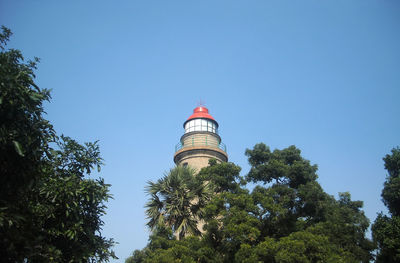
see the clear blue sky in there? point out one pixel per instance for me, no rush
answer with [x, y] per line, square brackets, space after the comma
[322, 75]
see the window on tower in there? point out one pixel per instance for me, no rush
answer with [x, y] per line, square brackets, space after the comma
[200, 125]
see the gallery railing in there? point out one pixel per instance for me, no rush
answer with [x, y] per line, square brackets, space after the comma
[198, 141]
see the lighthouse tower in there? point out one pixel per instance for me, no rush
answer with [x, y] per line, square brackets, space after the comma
[200, 142]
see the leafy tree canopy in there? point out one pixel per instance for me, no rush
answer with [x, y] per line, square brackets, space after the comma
[386, 229]
[286, 217]
[49, 210]
[282, 166]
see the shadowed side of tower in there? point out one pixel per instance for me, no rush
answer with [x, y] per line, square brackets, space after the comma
[200, 142]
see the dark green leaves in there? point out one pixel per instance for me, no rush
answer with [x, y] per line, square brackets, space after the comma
[281, 166]
[386, 230]
[177, 200]
[386, 233]
[391, 189]
[223, 177]
[49, 210]
[287, 217]
[4, 36]
[392, 163]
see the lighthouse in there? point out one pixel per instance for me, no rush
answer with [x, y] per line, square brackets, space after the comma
[200, 141]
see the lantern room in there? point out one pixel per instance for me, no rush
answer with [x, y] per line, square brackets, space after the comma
[200, 141]
[201, 120]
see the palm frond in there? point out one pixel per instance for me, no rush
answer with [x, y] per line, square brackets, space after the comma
[177, 200]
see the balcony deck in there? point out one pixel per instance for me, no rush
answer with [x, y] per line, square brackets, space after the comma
[200, 141]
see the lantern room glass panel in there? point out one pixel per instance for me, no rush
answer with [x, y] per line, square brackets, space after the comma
[200, 125]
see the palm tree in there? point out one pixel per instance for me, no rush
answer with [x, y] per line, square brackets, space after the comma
[177, 200]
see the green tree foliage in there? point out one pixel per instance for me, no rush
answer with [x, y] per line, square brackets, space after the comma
[49, 210]
[223, 177]
[284, 167]
[286, 217]
[386, 229]
[164, 247]
[177, 200]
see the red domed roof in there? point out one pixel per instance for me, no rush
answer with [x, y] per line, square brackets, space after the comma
[200, 112]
